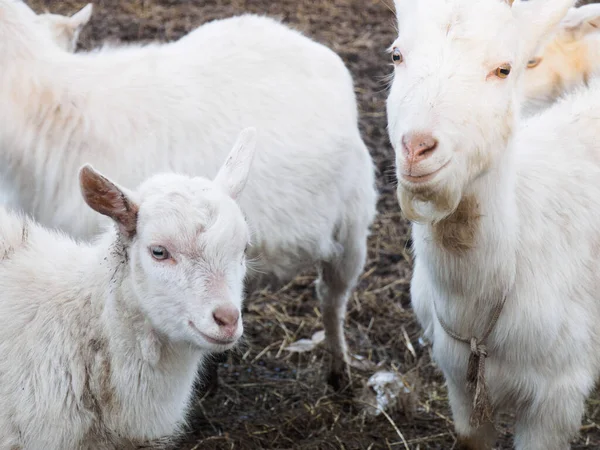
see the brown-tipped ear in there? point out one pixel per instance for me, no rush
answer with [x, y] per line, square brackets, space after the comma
[509, 2]
[105, 197]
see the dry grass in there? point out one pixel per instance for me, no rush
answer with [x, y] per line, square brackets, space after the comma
[269, 398]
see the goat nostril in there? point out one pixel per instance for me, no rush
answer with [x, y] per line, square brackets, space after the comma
[219, 321]
[427, 148]
[419, 145]
[226, 316]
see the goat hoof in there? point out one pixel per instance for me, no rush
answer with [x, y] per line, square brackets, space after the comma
[339, 380]
[466, 443]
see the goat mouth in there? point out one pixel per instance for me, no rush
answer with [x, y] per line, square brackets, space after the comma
[216, 341]
[424, 178]
[211, 339]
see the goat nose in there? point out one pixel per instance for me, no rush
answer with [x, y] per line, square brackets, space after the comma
[226, 316]
[418, 145]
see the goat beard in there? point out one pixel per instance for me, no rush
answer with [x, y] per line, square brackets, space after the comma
[430, 205]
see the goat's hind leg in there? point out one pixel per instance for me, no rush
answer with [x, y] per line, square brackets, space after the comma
[337, 279]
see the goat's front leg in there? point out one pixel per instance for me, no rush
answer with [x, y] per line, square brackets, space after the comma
[469, 438]
[552, 418]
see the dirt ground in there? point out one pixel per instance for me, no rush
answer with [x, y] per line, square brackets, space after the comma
[268, 398]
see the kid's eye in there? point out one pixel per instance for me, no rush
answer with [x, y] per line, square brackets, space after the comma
[159, 253]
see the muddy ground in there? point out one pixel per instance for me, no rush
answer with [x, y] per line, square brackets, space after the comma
[269, 399]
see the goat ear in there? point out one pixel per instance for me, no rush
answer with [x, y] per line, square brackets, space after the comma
[105, 197]
[537, 20]
[233, 175]
[70, 27]
[581, 21]
[78, 20]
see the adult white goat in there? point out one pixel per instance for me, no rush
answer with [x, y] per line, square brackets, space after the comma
[100, 343]
[566, 61]
[506, 213]
[64, 30]
[137, 110]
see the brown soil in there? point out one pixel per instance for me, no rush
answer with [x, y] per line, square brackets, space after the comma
[267, 398]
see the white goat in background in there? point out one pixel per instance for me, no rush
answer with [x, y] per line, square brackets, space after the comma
[64, 30]
[568, 60]
[137, 110]
[506, 217]
[100, 343]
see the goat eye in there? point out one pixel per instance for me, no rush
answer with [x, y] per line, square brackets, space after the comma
[159, 253]
[397, 56]
[533, 62]
[503, 71]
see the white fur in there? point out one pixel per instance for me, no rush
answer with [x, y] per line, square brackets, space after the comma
[536, 224]
[100, 343]
[567, 60]
[136, 110]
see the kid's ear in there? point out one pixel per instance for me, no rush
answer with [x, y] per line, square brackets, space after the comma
[233, 175]
[105, 197]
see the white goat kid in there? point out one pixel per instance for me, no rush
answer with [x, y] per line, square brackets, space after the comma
[65, 30]
[506, 211]
[100, 343]
[568, 60]
[137, 110]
